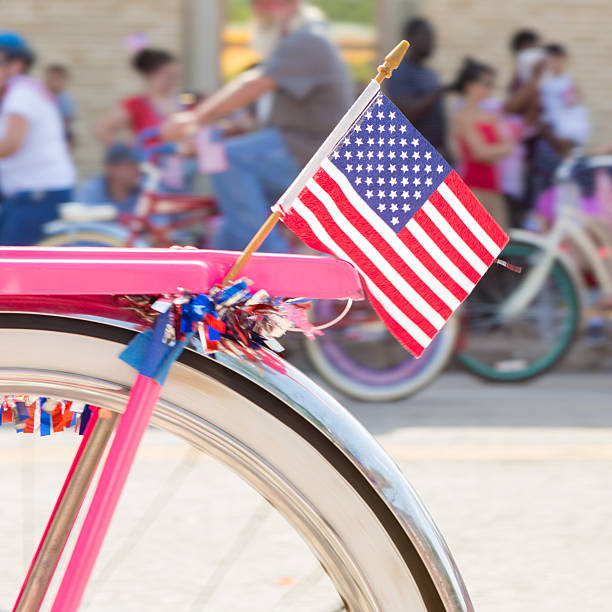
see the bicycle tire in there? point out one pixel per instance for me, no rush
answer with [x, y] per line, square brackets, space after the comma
[565, 281]
[82, 238]
[338, 368]
[379, 566]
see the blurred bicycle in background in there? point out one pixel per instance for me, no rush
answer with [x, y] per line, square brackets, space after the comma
[160, 219]
[517, 327]
[512, 328]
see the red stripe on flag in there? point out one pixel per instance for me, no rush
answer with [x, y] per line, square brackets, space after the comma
[298, 225]
[301, 229]
[363, 262]
[453, 219]
[442, 242]
[431, 264]
[400, 333]
[476, 209]
[380, 244]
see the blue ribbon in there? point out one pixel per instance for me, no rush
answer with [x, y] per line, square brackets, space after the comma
[193, 312]
[45, 419]
[150, 355]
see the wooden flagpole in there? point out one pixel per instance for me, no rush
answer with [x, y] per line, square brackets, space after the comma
[384, 71]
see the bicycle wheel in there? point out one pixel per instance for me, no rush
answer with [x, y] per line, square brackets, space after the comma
[367, 553]
[82, 238]
[528, 345]
[359, 356]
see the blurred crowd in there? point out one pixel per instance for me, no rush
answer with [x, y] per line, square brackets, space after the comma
[506, 148]
[254, 135]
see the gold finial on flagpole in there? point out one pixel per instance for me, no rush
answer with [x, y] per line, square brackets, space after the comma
[392, 61]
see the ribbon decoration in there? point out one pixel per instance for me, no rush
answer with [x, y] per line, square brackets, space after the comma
[229, 318]
[45, 415]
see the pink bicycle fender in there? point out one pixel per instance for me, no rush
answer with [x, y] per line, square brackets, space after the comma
[104, 271]
[104, 277]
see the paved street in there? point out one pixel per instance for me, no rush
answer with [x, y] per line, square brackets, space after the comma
[518, 479]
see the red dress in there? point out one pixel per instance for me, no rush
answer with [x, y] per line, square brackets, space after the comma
[478, 174]
[142, 114]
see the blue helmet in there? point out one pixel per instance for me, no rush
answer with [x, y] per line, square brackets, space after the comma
[16, 46]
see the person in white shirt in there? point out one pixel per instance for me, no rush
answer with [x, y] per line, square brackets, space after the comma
[36, 172]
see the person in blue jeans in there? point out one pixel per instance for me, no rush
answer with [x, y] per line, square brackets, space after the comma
[260, 168]
[36, 172]
[300, 91]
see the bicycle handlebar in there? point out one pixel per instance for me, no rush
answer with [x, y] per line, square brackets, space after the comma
[599, 161]
[147, 134]
[565, 169]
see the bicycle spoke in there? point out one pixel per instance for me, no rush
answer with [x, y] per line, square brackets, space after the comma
[168, 489]
[28, 482]
[64, 513]
[243, 538]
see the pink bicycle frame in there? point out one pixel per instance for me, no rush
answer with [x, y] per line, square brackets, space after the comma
[29, 272]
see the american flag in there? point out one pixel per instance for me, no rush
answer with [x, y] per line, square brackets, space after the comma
[385, 200]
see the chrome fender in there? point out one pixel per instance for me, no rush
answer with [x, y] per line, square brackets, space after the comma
[540, 241]
[320, 409]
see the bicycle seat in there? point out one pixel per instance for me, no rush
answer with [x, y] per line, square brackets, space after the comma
[77, 212]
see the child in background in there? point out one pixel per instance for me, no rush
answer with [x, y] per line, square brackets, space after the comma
[565, 128]
[562, 110]
[57, 78]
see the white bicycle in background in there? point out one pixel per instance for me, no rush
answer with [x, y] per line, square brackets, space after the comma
[517, 327]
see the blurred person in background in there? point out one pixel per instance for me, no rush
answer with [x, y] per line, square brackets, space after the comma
[302, 89]
[529, 64]
[416, 89]
[57, 78]
[480, 138]
[161, 73]
[562, 111]
[161, 98]
[36, 172]
[565, 128]
[120, 182]
[523, 104]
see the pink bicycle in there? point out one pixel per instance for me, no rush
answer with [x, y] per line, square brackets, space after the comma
[314, 475]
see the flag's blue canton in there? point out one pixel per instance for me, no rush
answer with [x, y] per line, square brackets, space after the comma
[390, 165]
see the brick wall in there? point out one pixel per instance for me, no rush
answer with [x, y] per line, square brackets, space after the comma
[88, 36]
[481, 28]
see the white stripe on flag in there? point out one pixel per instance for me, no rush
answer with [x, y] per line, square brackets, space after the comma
[389, 236]
[473, 225]
[411, 328]
[438, 254]
[373, 254]
[453, 237]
